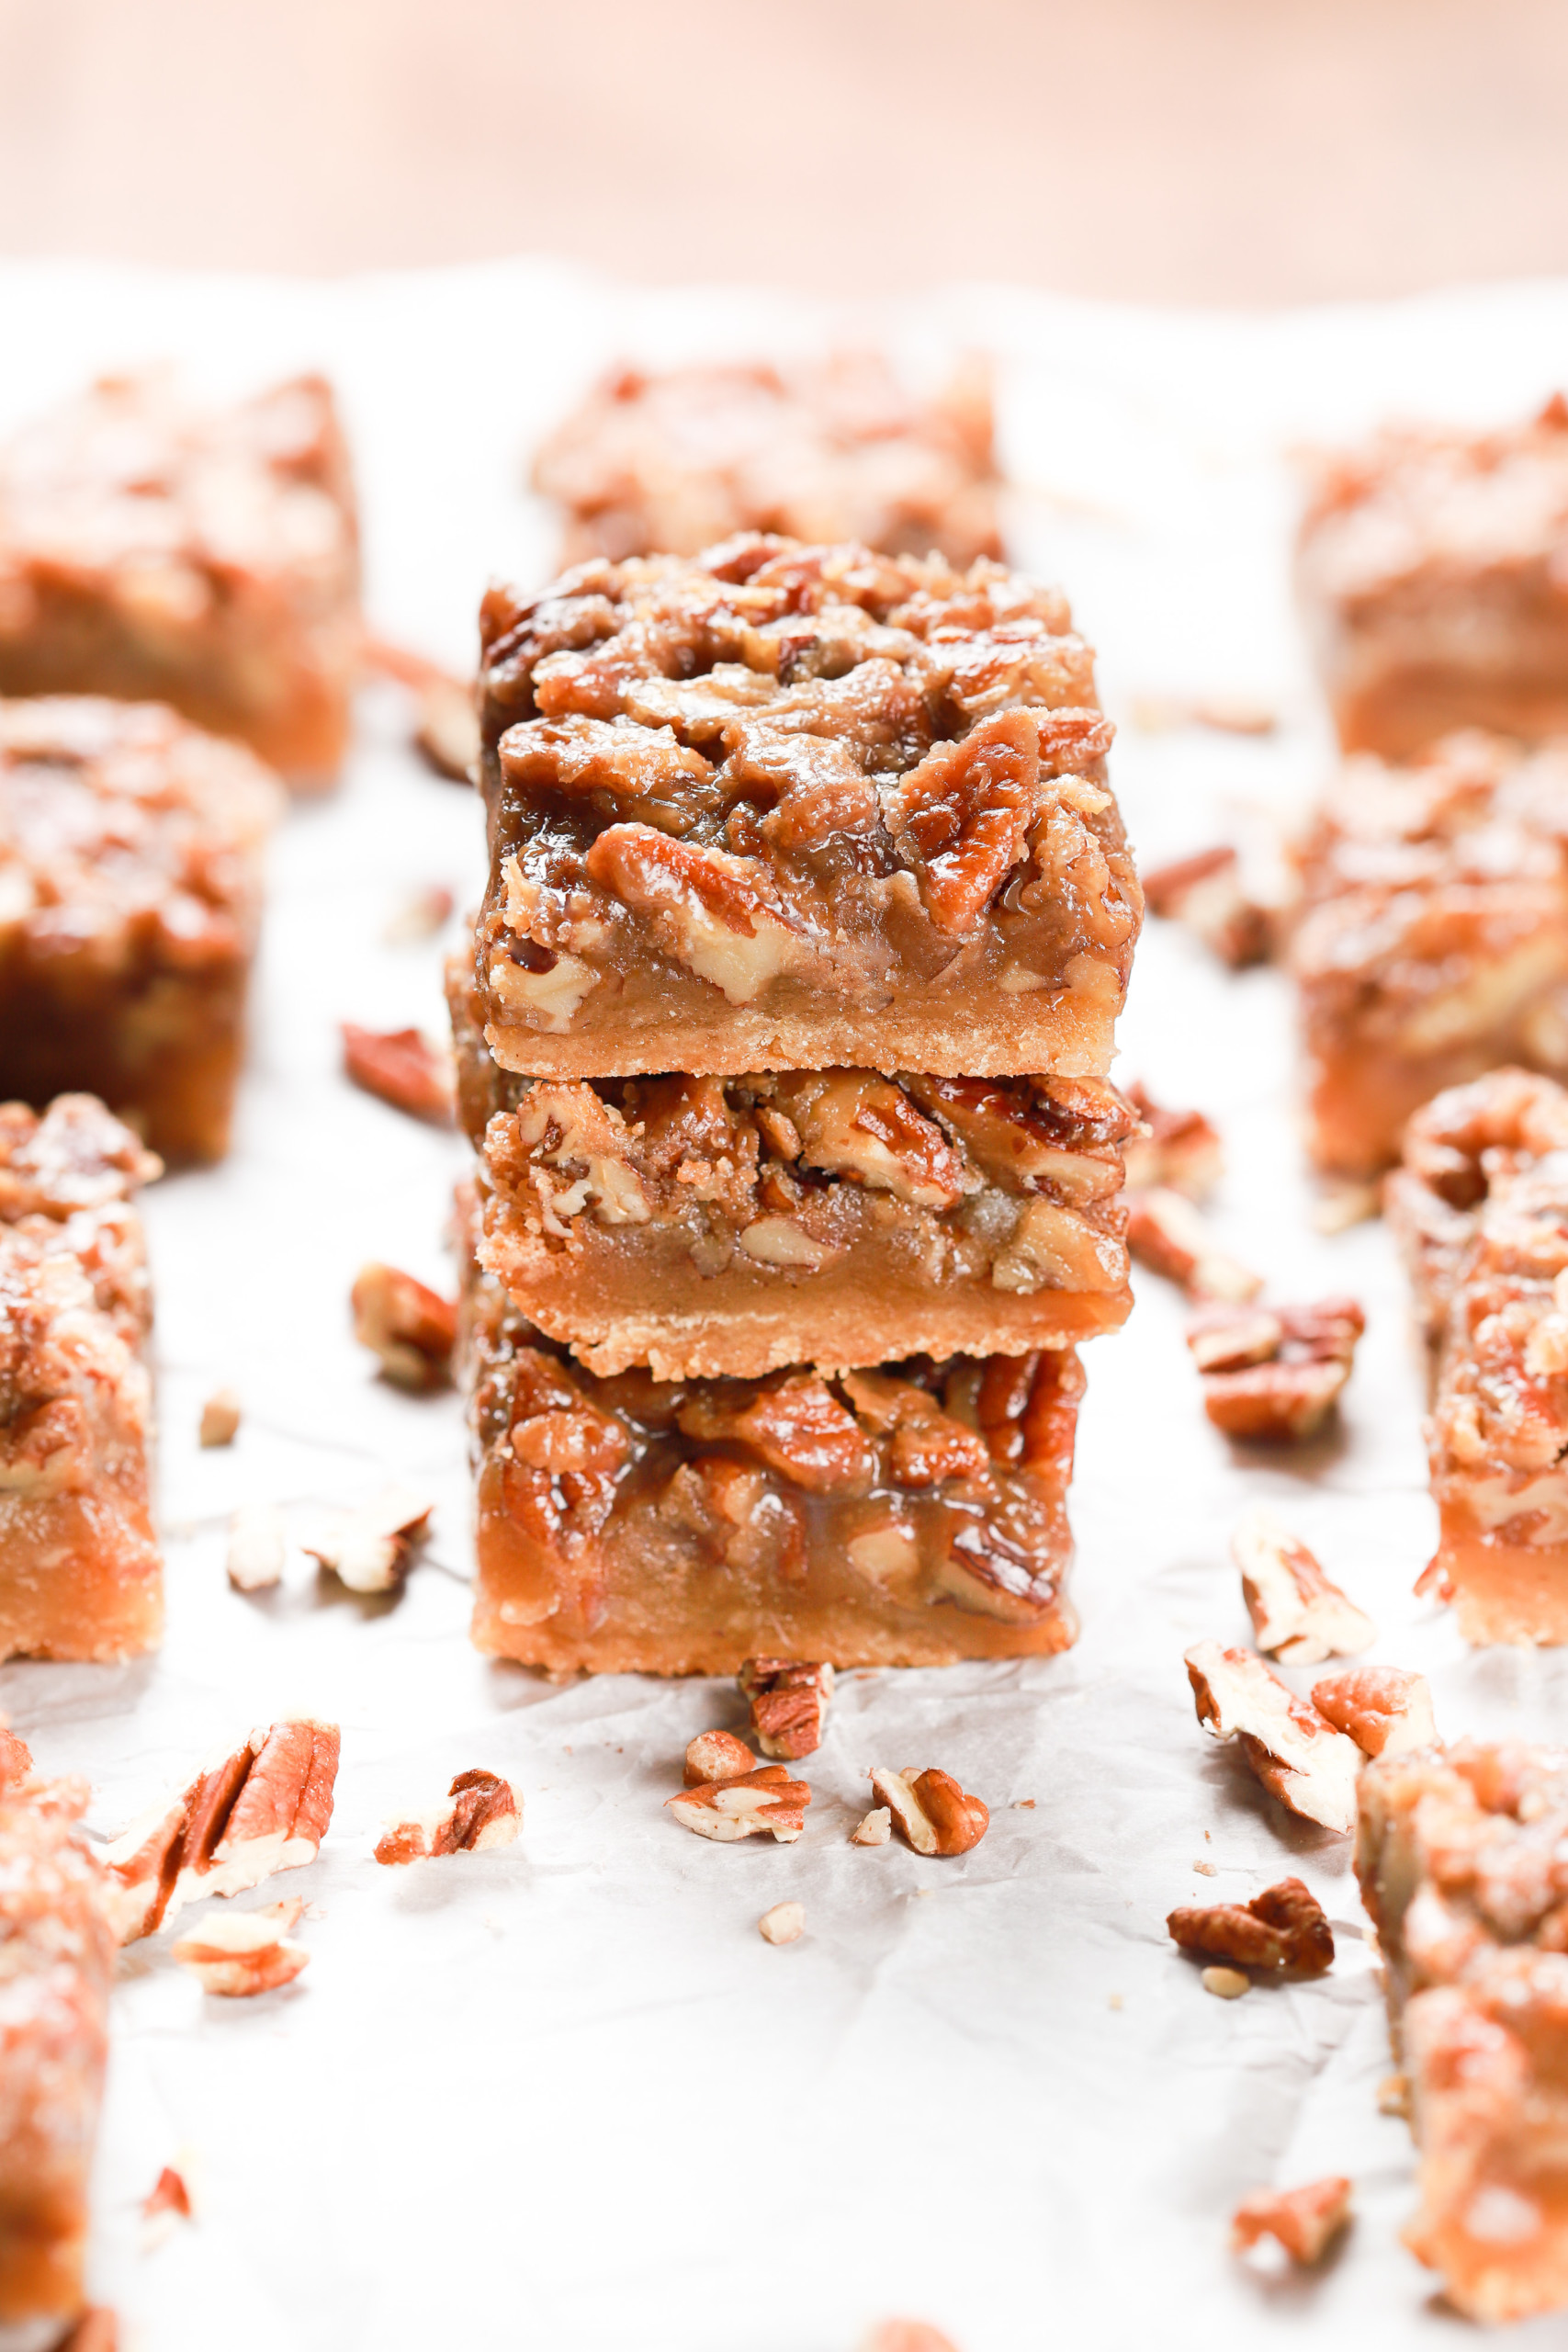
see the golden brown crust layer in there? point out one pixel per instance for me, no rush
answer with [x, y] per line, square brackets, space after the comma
[673, 463]
[1433, 571]
[788, 807]
[205, 558]
[913, 1515]
[131, 888]
[1433, 944]
[80, 1573]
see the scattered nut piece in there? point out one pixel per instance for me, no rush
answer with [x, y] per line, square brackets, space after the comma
[447, 729]
[481, 1811]
[1304, 2221]
[1225, 1983]
[906, 2335]
[1298, 1615]
[168, 2195]
[1228, 714]
[258, 1546]
[728, 1810]
[220, 1419]
[1343, 1203]
[420, 915]
[16, 1757]
[717, 1755]
[1168, 1234]
[399, 1067]
[929, 1809]
[1284, 1390]
[411, 1328]
[1394, 2097]
[1180, 1152]
[1385, 1711]
[370, 1550]
[236, 1953]
[784, 1924]
[1294, 1751]
[1284, 1926]
[259, 1808]
[1206, 895]
[788, 1699]
[1207, 1870]
[873, 1828]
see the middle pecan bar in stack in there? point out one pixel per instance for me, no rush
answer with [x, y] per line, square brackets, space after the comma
[784, 1044]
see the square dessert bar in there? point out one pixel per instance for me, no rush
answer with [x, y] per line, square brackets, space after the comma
[909, 1515]
[80, 1573]
[710, 1225]
[1433, 942]
[1460, 1856]
[131, 886]
[794, 807]
[671, 463]
[56, 1968]
[206, 557]
[1433, 574]
[1481, 1211]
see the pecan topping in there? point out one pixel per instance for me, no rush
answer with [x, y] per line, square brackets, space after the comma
[264, 1807]
[796, 1426]
[258, 1546]
[1304, 2221]
[717, 1755]
[932, 1813]
[1384, 1709]
[1293, 1750]
[370, 1549]
[1206, 894]
[728, 1810]
[242, 1952]
[1298, 1615]
[399, 1067]
[715, 913]
[481, 1811]
[1166, 1233]
[855, 1124]
[220, 1419]
[1282, 1928]
[1280, 1381]
[411, 1328]
[961, 817]
[788, 1699]
[784, 1924]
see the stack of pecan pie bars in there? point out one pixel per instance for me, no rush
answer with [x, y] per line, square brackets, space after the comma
[782, 1045]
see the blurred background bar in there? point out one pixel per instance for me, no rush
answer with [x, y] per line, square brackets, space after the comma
[1244, 151]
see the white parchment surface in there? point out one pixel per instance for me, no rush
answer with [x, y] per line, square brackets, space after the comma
[563, 2097]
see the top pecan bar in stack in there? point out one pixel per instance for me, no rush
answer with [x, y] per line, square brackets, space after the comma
[786, 807]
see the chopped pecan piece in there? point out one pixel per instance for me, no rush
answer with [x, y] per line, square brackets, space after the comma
[1282, 1928]
[168, 2195]
[1304, 2221]
[481, 1811]
[399, 1067]
[932, 1813]
[795, 1425]
[258, 1546]
[729, 1810]
[220, 1419]
[1285, 1391]
[411, 1328]
[1180, 1152]
[873, 1828]
[1225, 1983]
[1384, 1709]
[788, 1699]
[419, 915]
[242, 1952]
[1298, 1615]
[784, 1924]
[15, 1758]
[715, 913]
[717, 1755]
[447, 729]
[262, 1807]
[1293, 1750]
[906, 2335]
[1206, 893]
[1166, 1233]
[369, 1549]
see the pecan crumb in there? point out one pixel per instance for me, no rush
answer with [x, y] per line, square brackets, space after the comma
[481, 1811]
[873, 1828]
[1298, 1614]
[258, 1546]
[717, 1755]
[752, 1802]
[788, 1699]
[1275, 1374]
[932, 1813]
[1394, 2097]
[237, 1954]
[409, 1328]
[168, 2195]
[1284, 1926]
[1207, 1870]
[370, 1549]
[1304, 2221]
[1168, 1235]
[220, 1419]
[399, 1067]
[1225, 1983]
[784, 1924]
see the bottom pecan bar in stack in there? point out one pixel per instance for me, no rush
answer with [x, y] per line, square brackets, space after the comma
[908, 1516]
[1462, 1858]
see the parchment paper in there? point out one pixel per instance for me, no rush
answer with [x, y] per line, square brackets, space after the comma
[563, 2096]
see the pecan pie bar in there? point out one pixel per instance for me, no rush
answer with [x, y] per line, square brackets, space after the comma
[80, 1574]
[909, 1515]
[1481, 1211]
[707, 1225]
[1461, 1854]
[1433, 572]
[1433, 943]
[209, 558]
[131, 884]
[669, 463]
[56, 1966]
[792, 807]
